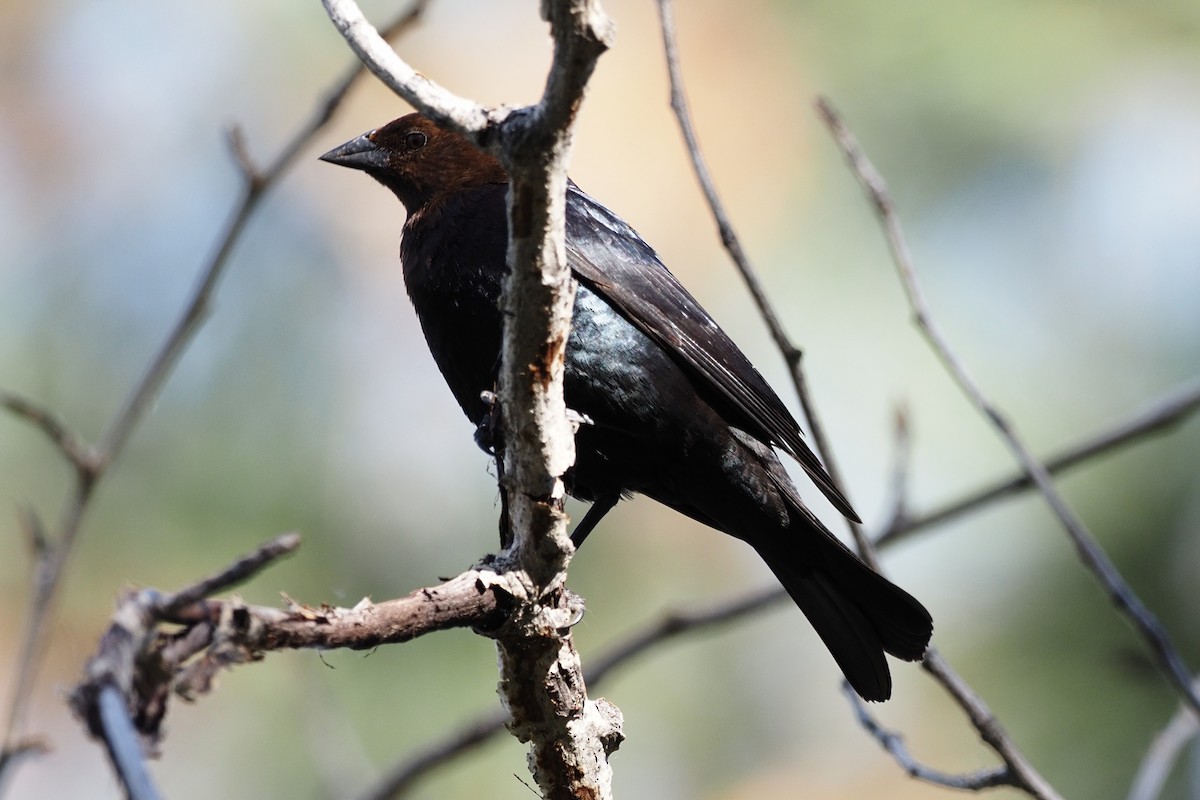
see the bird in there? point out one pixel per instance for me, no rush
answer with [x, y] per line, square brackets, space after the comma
[671, 408]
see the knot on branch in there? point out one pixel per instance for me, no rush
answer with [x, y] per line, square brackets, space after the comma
[609, 724]
[533, 611]
[127, 663]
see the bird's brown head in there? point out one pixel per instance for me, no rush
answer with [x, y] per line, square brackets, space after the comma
[418, 161]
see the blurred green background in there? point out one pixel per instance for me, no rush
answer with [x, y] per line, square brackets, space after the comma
[1045, 158]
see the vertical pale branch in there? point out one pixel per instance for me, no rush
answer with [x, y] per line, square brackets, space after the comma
[570, 736]
[541, 678]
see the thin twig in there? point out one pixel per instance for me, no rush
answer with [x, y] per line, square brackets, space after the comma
[68, 443]
[893, 743]
[901, 464]
[46, 576]
[434, 101]
[792, 355]
[404, 776]
[679, 623]
[91, 463]
[1022, 773]
[241, 570]
[256, 182]
[35, 532]
[1162, 414]
[1162, 754]
[1093, 557]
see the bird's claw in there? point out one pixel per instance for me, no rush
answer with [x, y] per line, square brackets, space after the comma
[485, 431]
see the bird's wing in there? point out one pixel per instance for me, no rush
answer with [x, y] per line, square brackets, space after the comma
[611, 259]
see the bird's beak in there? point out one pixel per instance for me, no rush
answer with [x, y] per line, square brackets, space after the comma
[360, 153]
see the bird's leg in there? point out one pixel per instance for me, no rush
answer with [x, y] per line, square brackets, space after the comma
[487, 436]
[486, 430]
[600, 506]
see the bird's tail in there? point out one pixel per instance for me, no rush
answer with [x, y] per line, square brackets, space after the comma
[857, 612]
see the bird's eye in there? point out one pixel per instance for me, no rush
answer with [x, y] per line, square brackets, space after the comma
[415, 140]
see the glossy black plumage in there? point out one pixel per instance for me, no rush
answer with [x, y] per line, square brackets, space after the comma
[678, 412]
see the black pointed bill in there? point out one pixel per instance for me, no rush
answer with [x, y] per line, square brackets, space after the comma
[360, 153]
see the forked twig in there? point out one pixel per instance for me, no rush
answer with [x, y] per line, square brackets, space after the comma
[1020, 772]
[893, 743]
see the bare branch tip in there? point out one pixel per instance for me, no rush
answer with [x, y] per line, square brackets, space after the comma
[285, 542]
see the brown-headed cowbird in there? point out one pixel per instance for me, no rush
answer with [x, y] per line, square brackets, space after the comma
[676, 411]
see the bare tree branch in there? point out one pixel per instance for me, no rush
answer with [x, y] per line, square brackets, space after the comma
[256, 182]
[434, 101]
[1020, 770]
[675, 624]
[141, 666]
[1093, 557]
[1162, 415]
[91, 464]
[542, 682]
[893, 743]
[403, 776]
[571, 736]
[72, 448]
